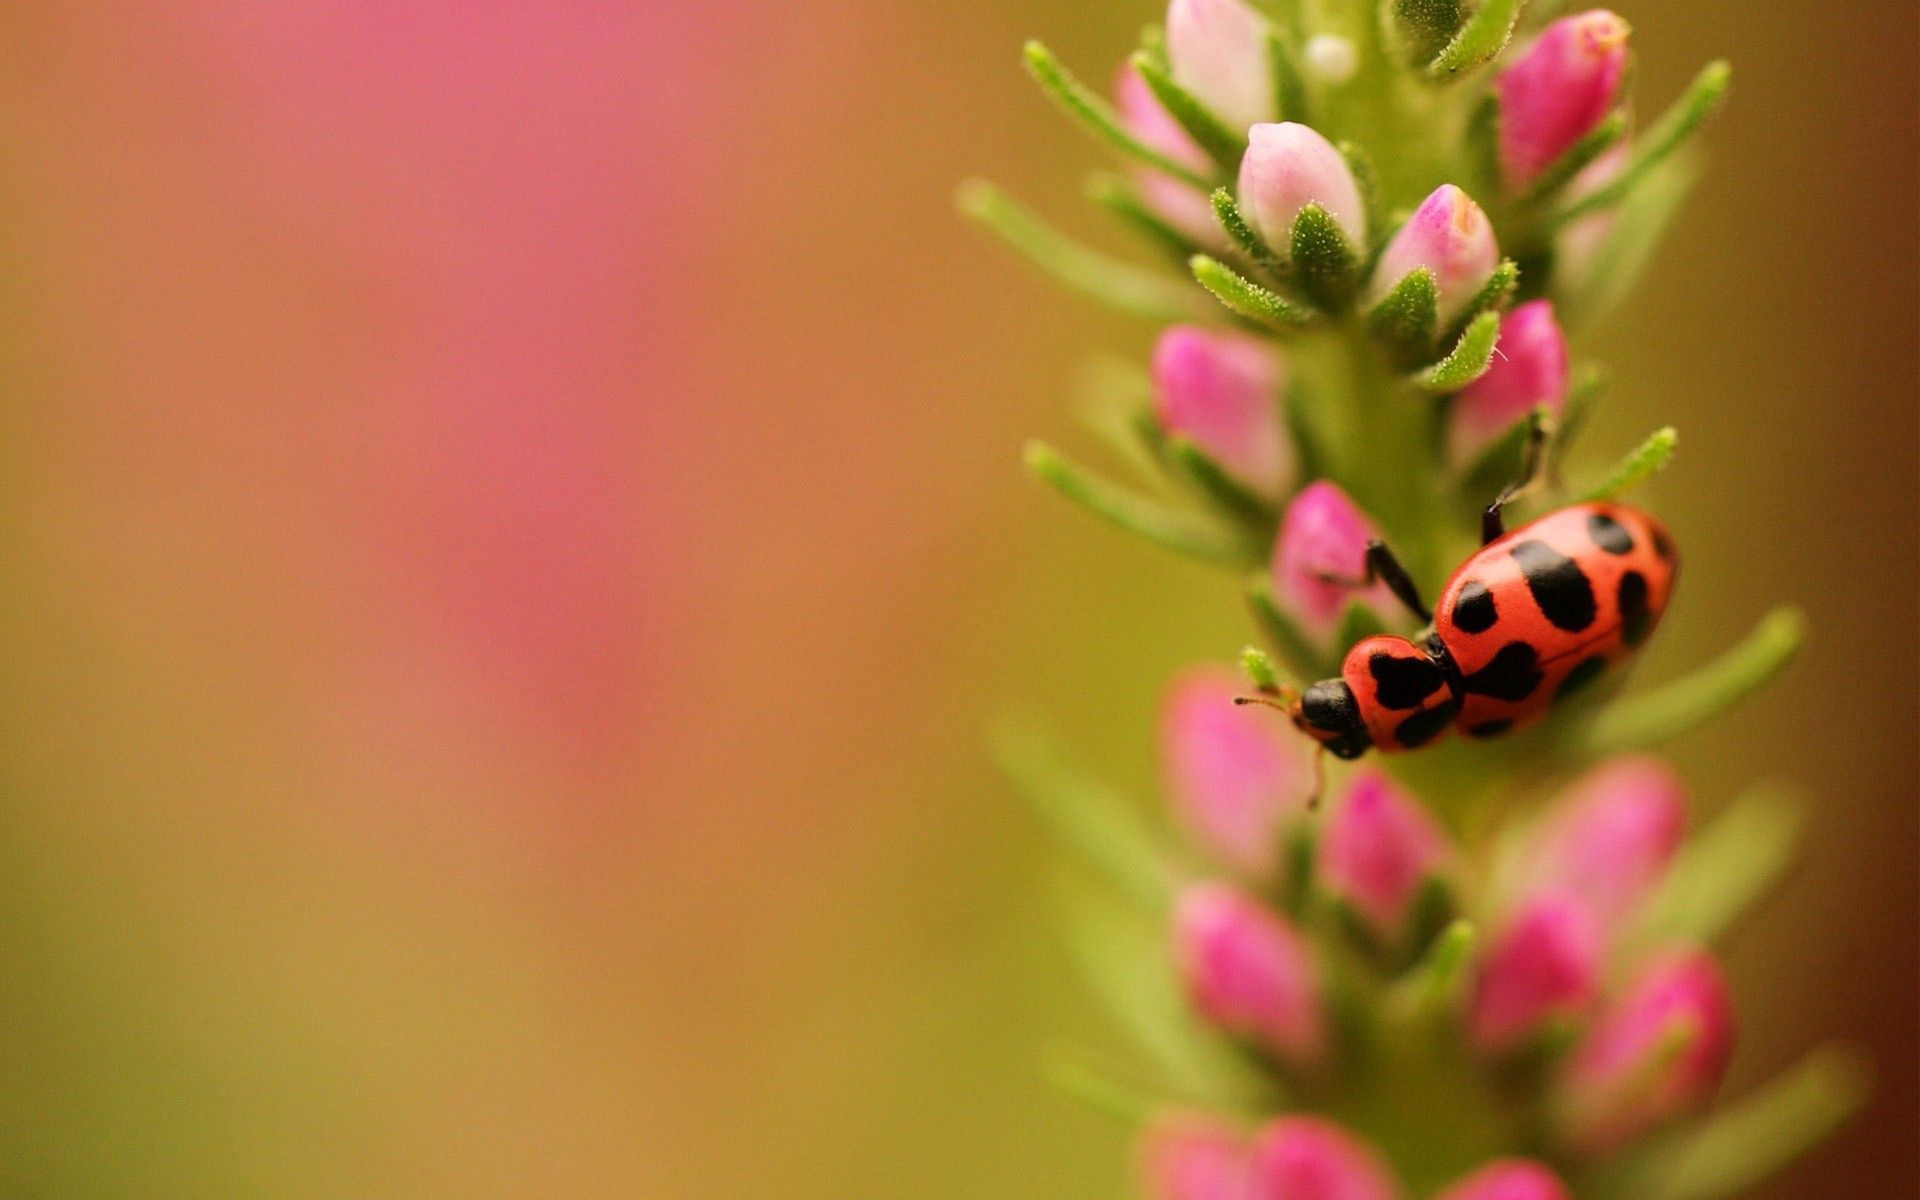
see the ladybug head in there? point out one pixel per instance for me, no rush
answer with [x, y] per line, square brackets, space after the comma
[1327, 713]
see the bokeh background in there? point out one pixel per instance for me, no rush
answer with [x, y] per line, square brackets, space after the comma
[512, 530]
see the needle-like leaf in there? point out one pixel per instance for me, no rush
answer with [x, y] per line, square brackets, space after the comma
[1483, 36]
[1639, 463]
[1661, 139]
[1097, 116]
[1245, 298]
[1187, 533]
[1468, 361]
[1647, 720]
[1118, 285]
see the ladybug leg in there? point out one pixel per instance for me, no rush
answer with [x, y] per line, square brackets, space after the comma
[1493, 522]
[1382, 566]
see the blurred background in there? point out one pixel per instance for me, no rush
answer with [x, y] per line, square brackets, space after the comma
[513, 529]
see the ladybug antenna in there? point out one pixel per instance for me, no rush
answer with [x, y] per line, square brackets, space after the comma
[1278, 697]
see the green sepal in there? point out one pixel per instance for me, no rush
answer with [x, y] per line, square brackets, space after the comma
[1208, 131]
[1107, 834]
[1301, 654]
[1600, 139]
[1183, 532]
[1097, 117]
[1367, 181]
[1498, 291]
[1639, 722]
[1483, 36]
[1218, 487]
[1468, 360]
[1246, 298]
[1636, 467]
[1749, 1140]
[1325, 265]
[1661, 139]
[1423, 28]
[1403, 321]
[1289, 90]
[1116, 284]
[1122, 199]
[1719, 874]
[1233, 222]
[1258, 669]
[1358, 621]
[1153, 42]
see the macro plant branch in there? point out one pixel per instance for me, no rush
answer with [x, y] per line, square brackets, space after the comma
[1474, 967]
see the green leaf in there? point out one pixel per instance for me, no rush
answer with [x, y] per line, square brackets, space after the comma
[1218, 486]
[1259, 669]
[1424, 27]
[1499, 288]
[1186, 533]
[1289, 90]
[1367, 180]
[1294, 646]
[1116, 284]
[1234, 223]
[1746, 1143]
[1122, 199]
[1246, 298]
[1634, 469]
[1208, 131]
[1719, 874]
[1666, 135]
[1078, 1077]
[1468, 361]
[1098, 827]
[1598, 141]
[1097, 116]
[1324, 262]
[1483, 36]
[1403, 322]
[1647, 720]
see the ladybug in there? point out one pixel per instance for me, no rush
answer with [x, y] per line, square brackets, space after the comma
[1531, 618]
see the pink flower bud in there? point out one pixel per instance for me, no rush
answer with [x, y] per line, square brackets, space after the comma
[1609, 841]
[1222, 392]
[1248, 971]
[1376, 849]
[1320, 554]
[1545, 964]
[1557, 91]
[1235, 775]
[1193, 1157]
[1218, 49]
[1450, 237]
[1179, 204]
[1511, 1179]
[1529, 371]
[1289, 166]
[1308, 1158]
[1657, 1052]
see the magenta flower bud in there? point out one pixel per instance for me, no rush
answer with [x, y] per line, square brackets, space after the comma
[1557, 91]
[1657, 1052]
[1376, 849]
[1221, 391]
[1450, 237]
[1609, 841]
[1544, 965]
[1308, 1158]
[1510, 1179]
[1320, 556]
[1287, 167]
[1193, 1157]
[1179, 204]
[1218, 50]
[1529, 371]
[1235, 776]
[1248, 971]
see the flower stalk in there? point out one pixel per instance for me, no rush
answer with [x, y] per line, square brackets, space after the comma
[1475, 971]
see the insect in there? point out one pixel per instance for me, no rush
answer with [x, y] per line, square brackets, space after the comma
[1532, 617]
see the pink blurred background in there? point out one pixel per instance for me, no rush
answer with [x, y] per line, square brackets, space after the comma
[514, 530]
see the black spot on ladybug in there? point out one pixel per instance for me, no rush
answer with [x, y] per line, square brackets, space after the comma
[1329, 705]
[1662, 544]
[1403, 682]
[1609, 534]
[1582, 674]
[1511, 676]
[1558, 585]
[1420, 728]
[1636, 619]
[1490, 729]
[1473, 609]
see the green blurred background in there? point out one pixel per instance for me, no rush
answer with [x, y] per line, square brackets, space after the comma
[513, 528]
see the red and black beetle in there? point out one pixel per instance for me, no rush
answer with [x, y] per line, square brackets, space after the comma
[1532, 617]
